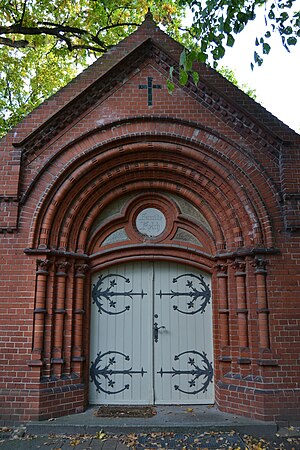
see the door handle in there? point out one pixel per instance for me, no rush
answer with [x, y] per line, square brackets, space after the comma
[155, 331]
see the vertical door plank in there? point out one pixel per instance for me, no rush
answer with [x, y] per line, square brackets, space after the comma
[183, 355]
[121, 357]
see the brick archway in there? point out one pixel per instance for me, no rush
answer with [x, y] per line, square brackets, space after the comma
[188, 154]
[166, 159]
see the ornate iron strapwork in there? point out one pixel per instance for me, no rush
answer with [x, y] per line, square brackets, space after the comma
[100, 294]
[194, 293]
[196, 372]
[98, 374]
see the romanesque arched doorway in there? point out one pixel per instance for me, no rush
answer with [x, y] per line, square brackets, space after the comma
[151, 316]
[91, 223]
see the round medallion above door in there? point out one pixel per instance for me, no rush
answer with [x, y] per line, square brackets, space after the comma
[150, 222]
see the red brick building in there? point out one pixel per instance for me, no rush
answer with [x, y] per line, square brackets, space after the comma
[149, 244]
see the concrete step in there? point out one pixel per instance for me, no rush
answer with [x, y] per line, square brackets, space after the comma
[180, 419]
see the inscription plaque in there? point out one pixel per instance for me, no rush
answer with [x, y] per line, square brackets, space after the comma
[151, 222]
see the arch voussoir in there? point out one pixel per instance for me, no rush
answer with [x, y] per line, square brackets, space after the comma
[105, 167]
[225, 161]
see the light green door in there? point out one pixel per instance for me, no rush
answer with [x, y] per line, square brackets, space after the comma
[151, 335]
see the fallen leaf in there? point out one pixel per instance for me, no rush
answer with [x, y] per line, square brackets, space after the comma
[101, 435]
[189, 410]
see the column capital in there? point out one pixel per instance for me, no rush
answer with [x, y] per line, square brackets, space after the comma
[240, 266]
[222, 269]
[62, 268]
[81, 270]
[260, 264]
[43, 266]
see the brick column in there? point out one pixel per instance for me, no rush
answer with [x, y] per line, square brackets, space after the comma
[223, 310]
[59, 312]
[40, 308]
[78, 357]
[242, 311]
[262, 302]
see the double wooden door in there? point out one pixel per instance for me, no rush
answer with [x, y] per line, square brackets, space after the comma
[151, 335]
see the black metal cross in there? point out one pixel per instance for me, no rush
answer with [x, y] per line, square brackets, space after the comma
[150, 86]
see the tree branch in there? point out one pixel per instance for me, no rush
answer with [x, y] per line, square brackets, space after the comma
[63, 33]
[187, 30]
[65, 28]
[8, 91]
[12, 43]
[115, 25]
[23, 12]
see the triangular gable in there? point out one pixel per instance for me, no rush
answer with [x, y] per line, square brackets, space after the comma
[218, 94]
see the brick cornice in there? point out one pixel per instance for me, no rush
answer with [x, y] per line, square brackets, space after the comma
[58, 253]
[243, 252]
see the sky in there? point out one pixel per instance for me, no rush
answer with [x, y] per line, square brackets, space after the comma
[276, 81]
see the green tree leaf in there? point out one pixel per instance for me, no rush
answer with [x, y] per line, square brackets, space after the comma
[292, 40]
[257, 59]
[170, 86]
[266, 48]
[183, 77]
[230, 40]
[182, 60]
[195, 77]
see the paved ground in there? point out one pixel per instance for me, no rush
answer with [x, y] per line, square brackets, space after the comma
[62, 443]
[162, 440]
[187, 441]
[173, 427]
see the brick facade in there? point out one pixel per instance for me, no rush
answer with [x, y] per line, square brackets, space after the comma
[98, 142]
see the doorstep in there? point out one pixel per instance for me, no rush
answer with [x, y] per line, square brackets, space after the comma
[175, 418]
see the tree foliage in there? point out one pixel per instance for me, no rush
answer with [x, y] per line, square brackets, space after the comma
[216, 23]
[45, 43]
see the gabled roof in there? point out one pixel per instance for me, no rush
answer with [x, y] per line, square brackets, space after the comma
[148, 41]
